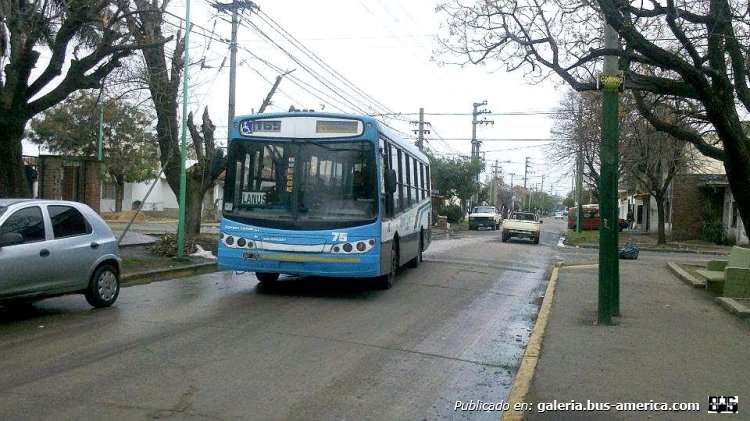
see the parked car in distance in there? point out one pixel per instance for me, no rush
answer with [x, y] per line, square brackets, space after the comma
[485, 217]
[590, 220]
[559, 215]
[56, 247]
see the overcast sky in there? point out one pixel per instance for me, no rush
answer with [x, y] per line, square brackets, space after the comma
[373, 57]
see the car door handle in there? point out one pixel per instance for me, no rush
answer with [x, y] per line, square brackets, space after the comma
[44, 252]
[94, 245]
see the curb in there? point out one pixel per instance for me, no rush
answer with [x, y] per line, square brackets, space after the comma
[728, 303]
[662, 250]
[685, 276]
[733, 306]
[520, 387]
[141, 278]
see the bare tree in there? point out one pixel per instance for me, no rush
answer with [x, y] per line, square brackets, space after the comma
[163, 81]
[693, 54]
[654, 158]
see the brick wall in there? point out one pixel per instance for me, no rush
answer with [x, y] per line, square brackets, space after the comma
[686, 211]
[689, 201]
[87, 187]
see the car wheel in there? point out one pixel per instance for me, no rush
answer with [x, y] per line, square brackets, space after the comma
[536, 240]
[386, 281]
[266, 278]
[104, 287]
[414, 263]
[505, 238]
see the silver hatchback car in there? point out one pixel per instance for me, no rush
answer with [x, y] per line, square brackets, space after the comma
[56, 247]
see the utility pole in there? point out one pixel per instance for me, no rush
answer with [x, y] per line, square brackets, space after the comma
[267, 100]
[495, 171]
[234, 6]
[420, 129]
[609, 268]
[475, 144]
[526, 176]
[512, 202]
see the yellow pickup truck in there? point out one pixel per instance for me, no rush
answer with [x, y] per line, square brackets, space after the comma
[522, 225]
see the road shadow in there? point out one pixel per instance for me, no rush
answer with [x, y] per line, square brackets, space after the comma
[322, 287]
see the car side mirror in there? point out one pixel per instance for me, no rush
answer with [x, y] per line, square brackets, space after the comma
[390, 181]
[541, 221]
[10, 239]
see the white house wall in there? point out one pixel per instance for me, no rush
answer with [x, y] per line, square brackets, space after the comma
[738, 232]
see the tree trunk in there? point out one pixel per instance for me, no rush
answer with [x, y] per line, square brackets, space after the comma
[119, 192]
[13, 182]
[737, 166]
[661, 237]
[193, 209]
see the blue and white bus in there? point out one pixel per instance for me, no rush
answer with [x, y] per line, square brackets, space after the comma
[322, 194]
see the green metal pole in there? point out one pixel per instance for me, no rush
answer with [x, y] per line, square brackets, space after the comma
[579, 169]
[609, 270]
[183, 139]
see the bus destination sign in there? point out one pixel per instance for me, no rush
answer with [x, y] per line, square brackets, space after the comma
[337, 126]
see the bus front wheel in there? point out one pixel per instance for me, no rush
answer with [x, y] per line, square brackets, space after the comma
[267, 278]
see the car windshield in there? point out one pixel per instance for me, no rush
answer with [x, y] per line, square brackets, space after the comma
[484, 209]
[523, 216]
[301, 184]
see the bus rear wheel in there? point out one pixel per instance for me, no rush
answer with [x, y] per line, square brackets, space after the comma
[386, 281]
[414, 263]
[267, 278]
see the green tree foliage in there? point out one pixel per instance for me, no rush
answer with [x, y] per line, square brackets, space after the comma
[130, 152]
[569, 200]
[49, 50]
[456, 177]
[453, 213]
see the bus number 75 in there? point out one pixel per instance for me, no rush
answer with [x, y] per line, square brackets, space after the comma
[340, 236]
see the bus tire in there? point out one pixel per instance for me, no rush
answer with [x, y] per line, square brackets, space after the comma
[266, 278]
[386, 281]
[415, 262]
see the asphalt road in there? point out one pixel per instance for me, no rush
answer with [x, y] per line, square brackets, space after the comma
[220, 346]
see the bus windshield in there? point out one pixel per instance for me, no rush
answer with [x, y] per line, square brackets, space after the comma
[302, 184]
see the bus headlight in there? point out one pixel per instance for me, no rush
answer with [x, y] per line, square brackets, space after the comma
[236, 242]
[353, 247]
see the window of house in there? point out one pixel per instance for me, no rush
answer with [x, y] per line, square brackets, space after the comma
[108, 191]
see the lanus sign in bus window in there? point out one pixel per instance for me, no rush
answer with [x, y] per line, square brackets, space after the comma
[253, 198]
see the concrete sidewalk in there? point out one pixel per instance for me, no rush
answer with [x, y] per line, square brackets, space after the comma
[673, 344]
